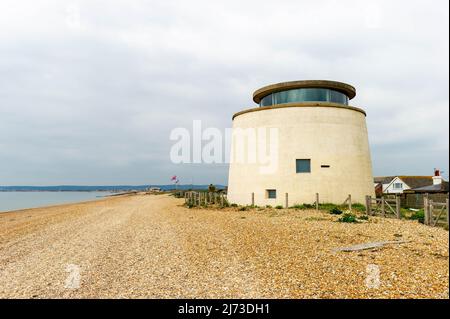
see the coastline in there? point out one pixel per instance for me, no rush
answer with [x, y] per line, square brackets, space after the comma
[150, 246]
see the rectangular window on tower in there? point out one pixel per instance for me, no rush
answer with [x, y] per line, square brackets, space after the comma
[303, 165]
[271, 193]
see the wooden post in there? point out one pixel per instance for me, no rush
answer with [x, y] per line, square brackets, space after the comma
[430, 213]
[287, 200]
[253, 199]
[350, 202]
[368, 201]
[425, 209]
[397, 207]
[221, 200]
[382, 206]
[317, 201]
[446, 209]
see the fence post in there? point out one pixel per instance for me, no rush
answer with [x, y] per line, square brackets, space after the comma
[368, 201]
[253, 199]
[397, 207]
[221, 200]
[446, 208]
[382, 206]
[430, 213]
[425, 209]
[287, 200]
[350, 202]
[317, 201]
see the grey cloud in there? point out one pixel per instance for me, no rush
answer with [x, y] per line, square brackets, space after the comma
[94, 103]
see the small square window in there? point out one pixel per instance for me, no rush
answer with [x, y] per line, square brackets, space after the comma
[398, 185]
[271, 193]
[303, 165]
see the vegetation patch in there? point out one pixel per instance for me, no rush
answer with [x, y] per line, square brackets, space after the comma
[418, 215]
[348, 218]
[335, 211]
[279, 207]
[303, 206]
[327, 206]
[359, 207]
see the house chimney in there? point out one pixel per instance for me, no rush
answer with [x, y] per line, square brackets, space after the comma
[437, 178]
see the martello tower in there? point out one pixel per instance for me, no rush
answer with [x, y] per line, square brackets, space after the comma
[322, 146]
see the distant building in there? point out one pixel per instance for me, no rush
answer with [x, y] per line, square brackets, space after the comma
[401, 184]
[437, 192]
[154, 189]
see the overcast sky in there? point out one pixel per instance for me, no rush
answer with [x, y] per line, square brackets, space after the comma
[90, 90]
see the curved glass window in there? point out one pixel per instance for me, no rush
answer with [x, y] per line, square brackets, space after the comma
[304, 95]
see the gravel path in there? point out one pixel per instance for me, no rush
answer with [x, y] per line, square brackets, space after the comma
[149, 246]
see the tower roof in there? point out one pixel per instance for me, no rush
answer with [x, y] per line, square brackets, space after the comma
[344, 88]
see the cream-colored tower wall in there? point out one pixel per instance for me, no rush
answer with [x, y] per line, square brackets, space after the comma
[334, 136]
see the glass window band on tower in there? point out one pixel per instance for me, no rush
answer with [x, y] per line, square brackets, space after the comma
[304, 95]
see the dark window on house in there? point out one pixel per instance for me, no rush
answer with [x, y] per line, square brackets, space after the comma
[398, 186]
[303, 165]
[271, 193]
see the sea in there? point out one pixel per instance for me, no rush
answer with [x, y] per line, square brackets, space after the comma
[10, 201]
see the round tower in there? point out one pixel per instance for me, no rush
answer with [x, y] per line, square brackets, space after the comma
[306, 139]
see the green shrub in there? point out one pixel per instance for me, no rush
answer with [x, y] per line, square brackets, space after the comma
[234, 205]
[335, 211]
[279, 207]
[297, 206]
[327, 206]
[308, 206]
[348, 218]
[268, 206]
[243, 208]
[363, 217]
[419, 215]
[359, 207]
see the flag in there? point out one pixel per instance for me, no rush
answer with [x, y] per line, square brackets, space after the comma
[174, 178]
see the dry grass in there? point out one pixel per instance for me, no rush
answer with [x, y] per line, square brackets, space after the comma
[148, 246]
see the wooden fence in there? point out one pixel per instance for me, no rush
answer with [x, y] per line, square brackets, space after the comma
[435, 213]
[316, 203]
[384, 206]
[205, 198]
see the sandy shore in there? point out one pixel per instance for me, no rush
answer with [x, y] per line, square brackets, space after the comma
[148, 246]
